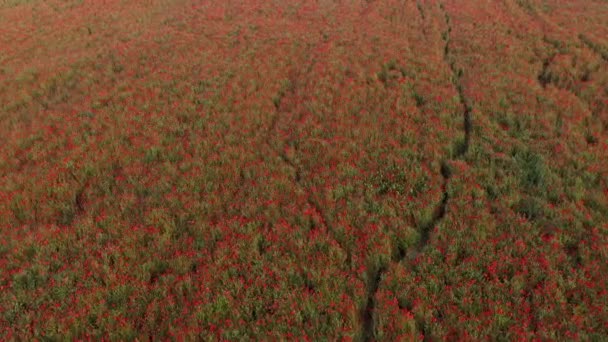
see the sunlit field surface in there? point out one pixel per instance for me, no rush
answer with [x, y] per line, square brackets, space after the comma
[315, 169]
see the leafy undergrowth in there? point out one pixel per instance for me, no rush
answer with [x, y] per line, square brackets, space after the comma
[369, 170]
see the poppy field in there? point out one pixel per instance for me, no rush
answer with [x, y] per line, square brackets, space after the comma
[362, 170]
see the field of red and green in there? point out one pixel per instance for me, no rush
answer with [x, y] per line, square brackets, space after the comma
[315, 169]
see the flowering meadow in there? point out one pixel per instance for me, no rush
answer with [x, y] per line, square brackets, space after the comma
[362, 170]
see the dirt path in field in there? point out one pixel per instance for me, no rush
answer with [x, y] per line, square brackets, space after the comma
[441, 209]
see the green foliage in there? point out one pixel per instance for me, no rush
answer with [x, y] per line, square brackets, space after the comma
[530, 208]
[391, 180]
[118, 297]
[391, 71]
[153, 155]
[420, 100]
[30, 279]
[533, 172]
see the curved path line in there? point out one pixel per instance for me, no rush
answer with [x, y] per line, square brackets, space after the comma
[367, 317]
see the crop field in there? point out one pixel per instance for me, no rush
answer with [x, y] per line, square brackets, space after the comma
[367, 170]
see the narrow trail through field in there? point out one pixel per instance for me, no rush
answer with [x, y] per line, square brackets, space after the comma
[440, 211]
[563, 43]
[284, 106]
[368, 325]
[597, 48]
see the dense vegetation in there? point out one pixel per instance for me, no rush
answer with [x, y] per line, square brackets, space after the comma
[321, 169]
